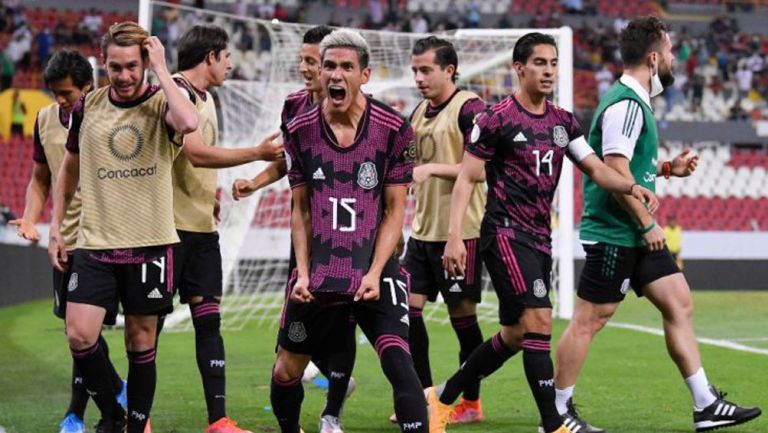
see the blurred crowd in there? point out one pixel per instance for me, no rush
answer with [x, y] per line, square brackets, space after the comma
[721, 72]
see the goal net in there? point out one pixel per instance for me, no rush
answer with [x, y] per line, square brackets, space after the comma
[254, 232]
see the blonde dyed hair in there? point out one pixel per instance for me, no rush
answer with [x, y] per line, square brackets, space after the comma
[125, 34]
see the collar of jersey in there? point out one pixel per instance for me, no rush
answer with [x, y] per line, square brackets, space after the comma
[330, 138]
[151, 90]
[636, 87]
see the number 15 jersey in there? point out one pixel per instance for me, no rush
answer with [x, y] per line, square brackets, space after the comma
[345, 187]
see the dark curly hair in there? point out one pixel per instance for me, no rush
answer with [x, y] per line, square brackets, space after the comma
[68, 63]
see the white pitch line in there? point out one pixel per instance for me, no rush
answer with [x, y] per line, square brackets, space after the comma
[710, 341]
[749, 339]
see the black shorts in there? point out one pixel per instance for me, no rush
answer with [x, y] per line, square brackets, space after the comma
[610, 270]
[60, 284]
[521, 276]
[197, 261]
[141, 289]
[317, 327]
[424, 261]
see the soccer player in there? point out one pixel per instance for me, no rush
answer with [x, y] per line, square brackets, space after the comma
[624, 134]
[521, 143]
[120, 149]
[68, 75]
[442, 124]
[203, 63]
[349, 169]
[336, 366]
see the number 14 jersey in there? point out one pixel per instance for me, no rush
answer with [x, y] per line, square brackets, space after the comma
[345, 187]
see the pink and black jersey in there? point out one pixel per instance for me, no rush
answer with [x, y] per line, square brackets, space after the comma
[524, 154]
[346, 188]
[294, 104]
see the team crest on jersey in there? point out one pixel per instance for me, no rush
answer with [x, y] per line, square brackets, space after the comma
[539, 289]
[410, 151]
[296, 332]
[72, 285]
[125, 142]
[560, 136]
[367, 177]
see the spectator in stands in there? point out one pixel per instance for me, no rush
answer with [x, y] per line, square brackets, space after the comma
[604, 78]
[18, 114]
[44, 42]
[419, 23]
[744, 80]
[7, 69]
[673, 233]
[376, 11]
[267, 10]
[19, 47]
[472, 14]
[93, 22]
[756, 63]
[575, 7]
[6, 214]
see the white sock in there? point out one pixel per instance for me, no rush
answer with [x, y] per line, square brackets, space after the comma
[699, 386]
[561, 399]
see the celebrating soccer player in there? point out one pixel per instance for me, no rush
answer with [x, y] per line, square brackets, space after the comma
[68, 75]
[349, 170]
[442, 124]
[204, 62]
[120, 149]
[336, 366]
[626, 249]
[521, 143]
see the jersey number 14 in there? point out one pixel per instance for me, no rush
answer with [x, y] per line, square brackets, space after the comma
[546, 159]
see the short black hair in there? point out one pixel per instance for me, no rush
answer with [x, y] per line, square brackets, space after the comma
[640, 37]
[525, 45]
[68, 63]
[195, 44]
[445, 53]
[316, 34]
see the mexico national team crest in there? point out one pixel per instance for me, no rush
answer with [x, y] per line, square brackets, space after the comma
[560, 136]
[367, 177]
[296, 332]
[539, 289]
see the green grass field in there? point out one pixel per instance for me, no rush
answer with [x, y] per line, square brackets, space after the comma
[628, 386]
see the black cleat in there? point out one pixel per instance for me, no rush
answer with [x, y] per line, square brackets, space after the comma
[572, 420]
[106, 425]
[722, 413]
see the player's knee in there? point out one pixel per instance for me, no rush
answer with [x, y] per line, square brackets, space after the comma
[288, 367]
[512, 336]
[538, 320]
[417, 301]
[140, 333]
[80, 339]
[462, 308]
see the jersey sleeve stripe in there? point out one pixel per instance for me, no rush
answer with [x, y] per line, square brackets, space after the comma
[634, 120]
[629, 119]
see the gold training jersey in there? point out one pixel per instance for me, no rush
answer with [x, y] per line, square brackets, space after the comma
[51, 136]
[194, 188]
[440, 139]
[126, 155]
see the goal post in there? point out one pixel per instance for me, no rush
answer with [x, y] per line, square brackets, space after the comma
[254, 232]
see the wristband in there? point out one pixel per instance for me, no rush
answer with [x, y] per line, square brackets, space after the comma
[666, 169]
[649, 228]
[630, 188]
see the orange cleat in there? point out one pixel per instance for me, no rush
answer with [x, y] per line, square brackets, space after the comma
[225, 425]
[466, 412]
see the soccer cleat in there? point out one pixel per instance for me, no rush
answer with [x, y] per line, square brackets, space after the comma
[106, 425]
[577, 423]
[71, 424]
[122, 398]
[330, 424]
[438, 411]
[466, 412]
[225, 425]
[722, 413]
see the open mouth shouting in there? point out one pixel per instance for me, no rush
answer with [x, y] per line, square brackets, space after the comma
[337, 93]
